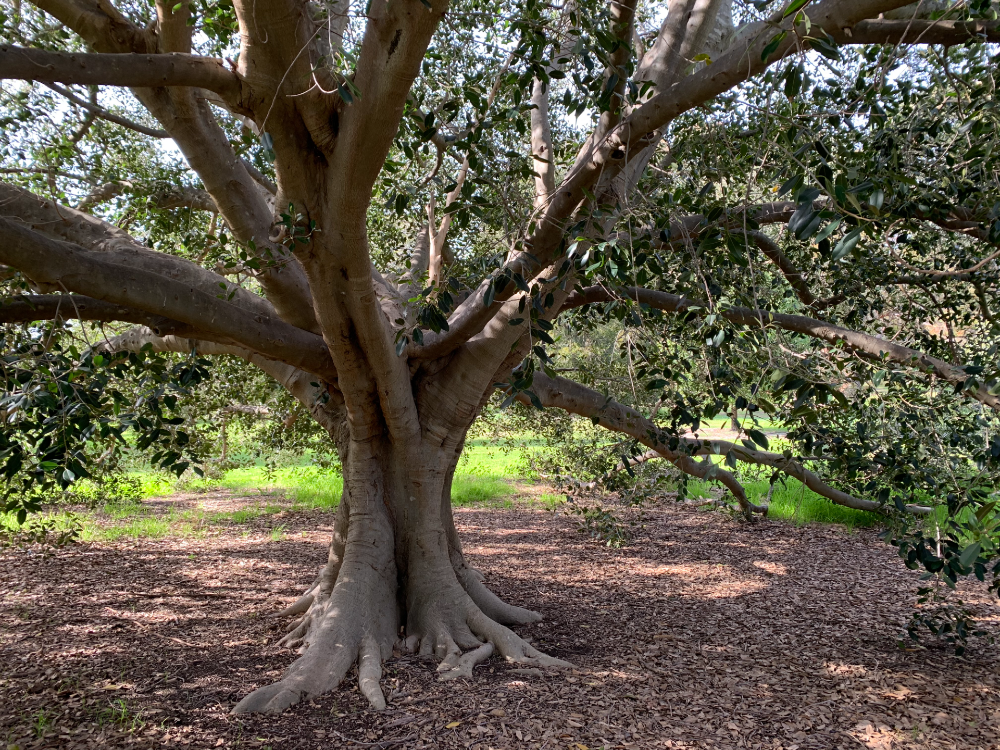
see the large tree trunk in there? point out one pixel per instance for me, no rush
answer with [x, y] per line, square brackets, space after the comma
[395, 575]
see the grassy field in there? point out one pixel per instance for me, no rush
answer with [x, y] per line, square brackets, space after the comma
[488, 475]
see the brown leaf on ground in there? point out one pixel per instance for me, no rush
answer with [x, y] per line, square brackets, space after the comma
[704, 633]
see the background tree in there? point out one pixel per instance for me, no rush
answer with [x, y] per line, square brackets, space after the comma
[393, 210]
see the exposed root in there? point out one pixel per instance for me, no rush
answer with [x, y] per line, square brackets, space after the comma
[464, 626]
[492, 605]
[355, 622]
[301, 606]
[510, 645]
[466, 663]
[370, 672]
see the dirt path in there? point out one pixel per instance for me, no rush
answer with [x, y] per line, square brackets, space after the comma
[706, 633]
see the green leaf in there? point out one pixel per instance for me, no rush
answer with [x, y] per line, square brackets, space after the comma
[773, 45]
[847, 243]
[794, 6]
[828, 230]
[876, 199]
[758, 437]
[969, 554]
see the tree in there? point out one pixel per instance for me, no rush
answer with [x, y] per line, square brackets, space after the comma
[390, 209]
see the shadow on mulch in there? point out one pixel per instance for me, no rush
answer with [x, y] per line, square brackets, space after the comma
[706, 632]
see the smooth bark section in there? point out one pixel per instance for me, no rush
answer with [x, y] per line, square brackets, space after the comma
[919, 31]
[863, 343]
[129, 69]
[62, 307]
[74, 269]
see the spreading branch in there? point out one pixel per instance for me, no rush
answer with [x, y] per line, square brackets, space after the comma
[861, 343]
[94, 274]
[603, 160]
[130, 70]
[578, 399]
[29, 308]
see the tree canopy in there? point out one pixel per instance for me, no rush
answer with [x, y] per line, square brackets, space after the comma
[641, 214]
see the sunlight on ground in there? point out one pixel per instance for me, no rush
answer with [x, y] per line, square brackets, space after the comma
[487, 476]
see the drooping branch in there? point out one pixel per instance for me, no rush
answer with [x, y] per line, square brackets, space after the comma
[96, 274]
[130, 70]
[302, 384]
[864, 344]
[578, 399]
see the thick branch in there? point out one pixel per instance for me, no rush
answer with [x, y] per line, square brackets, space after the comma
[94, 274]
[862, 343]
[917, 31]
[29, 308]
[131, 70]
[67, 224]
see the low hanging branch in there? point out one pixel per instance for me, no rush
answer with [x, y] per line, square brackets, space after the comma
[578, 399]
[862, 343]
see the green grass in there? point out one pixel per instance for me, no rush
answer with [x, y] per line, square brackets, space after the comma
[796, 503]
[308, 487]
[487, 475]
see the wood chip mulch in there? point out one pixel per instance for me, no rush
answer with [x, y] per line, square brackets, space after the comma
[706, 632]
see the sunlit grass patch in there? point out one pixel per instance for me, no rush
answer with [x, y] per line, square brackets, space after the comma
[142, 527]
[796, 503]
[308, 487]
[469, 489]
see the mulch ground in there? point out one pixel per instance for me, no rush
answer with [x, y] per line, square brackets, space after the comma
[705, 633]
